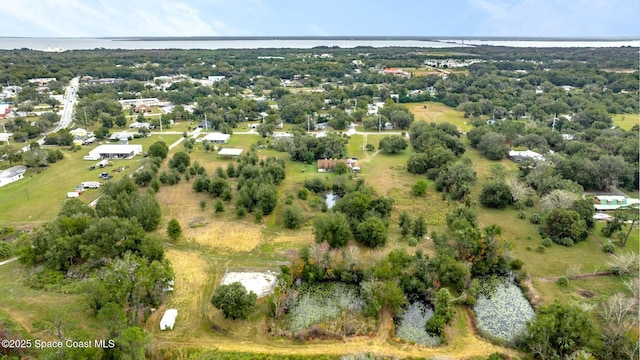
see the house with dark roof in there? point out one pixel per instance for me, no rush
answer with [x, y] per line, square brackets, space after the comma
[328, 165]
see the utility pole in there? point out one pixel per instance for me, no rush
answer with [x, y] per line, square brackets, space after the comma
[308, 124]
[379, 123]
[5, 134]
[85, 116]
[206, 123]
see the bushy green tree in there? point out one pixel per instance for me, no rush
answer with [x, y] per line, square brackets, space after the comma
[419, 227]
[419, 188]
[566, 224]
[292, 217]
[442, 314]
[180, 161]
[393, 144]
[234, 301]
[173, 229]
[372, 232]
[492, 146]
[332, 228]
[496, 194]
[457, 180]
[159, 149]
[405, 223]
[340, 168]
[557, 331]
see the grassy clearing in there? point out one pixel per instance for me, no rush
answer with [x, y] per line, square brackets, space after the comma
[433, 111]
[27, 306]
[626, 121]
[39, 196]
[193, 282]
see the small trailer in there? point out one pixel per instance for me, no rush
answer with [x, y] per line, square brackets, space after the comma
[73, 194]
[91, 184]
[168, 319]
[103, 163]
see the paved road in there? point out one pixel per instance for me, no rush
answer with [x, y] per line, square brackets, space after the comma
[68, 102]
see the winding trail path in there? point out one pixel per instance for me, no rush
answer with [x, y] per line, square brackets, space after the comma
[8, 261]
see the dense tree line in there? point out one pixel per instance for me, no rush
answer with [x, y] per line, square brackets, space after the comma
[122, 267]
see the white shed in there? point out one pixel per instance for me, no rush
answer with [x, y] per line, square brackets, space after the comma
[216, 137]
[111, 151]
[230, 152]
[168, 319]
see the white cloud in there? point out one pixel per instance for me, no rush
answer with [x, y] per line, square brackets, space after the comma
[109, 18]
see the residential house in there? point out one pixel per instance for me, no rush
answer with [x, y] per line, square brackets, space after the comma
[111, 151]
[612, 202]
[217, 138]
[328, 165]
[142, 108]
[526, 155]
[12, 174]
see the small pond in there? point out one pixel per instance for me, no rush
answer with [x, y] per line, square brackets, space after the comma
[331, 199]
[501, 309]
[323, 303]
[412, 325]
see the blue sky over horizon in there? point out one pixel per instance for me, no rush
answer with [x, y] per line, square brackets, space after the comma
[522, 18]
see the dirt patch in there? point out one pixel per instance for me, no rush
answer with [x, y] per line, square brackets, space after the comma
[587, 294]
[197, 222]
[532, 294]
[577, 276]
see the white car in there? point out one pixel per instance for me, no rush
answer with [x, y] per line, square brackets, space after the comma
[601, 216]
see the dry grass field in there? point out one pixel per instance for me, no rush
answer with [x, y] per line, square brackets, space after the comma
[193, 278]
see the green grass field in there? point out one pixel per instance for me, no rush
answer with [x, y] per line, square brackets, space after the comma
[39, 196]
[437, 112]
[626, 121]
[27, 306]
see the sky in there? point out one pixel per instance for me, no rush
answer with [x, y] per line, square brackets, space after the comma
[519, 18]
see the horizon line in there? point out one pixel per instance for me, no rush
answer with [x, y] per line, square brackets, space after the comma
[340, 37]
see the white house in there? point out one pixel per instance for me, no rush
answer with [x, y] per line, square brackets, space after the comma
[612, 202]
[140, 125]
[168, 319]
[120, 136]
[12, 174]
[216, 137]
[282, 135]
[113, 151]
[79, 132]
[525, 155]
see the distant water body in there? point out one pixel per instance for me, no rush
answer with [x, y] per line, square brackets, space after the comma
[212, 43]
